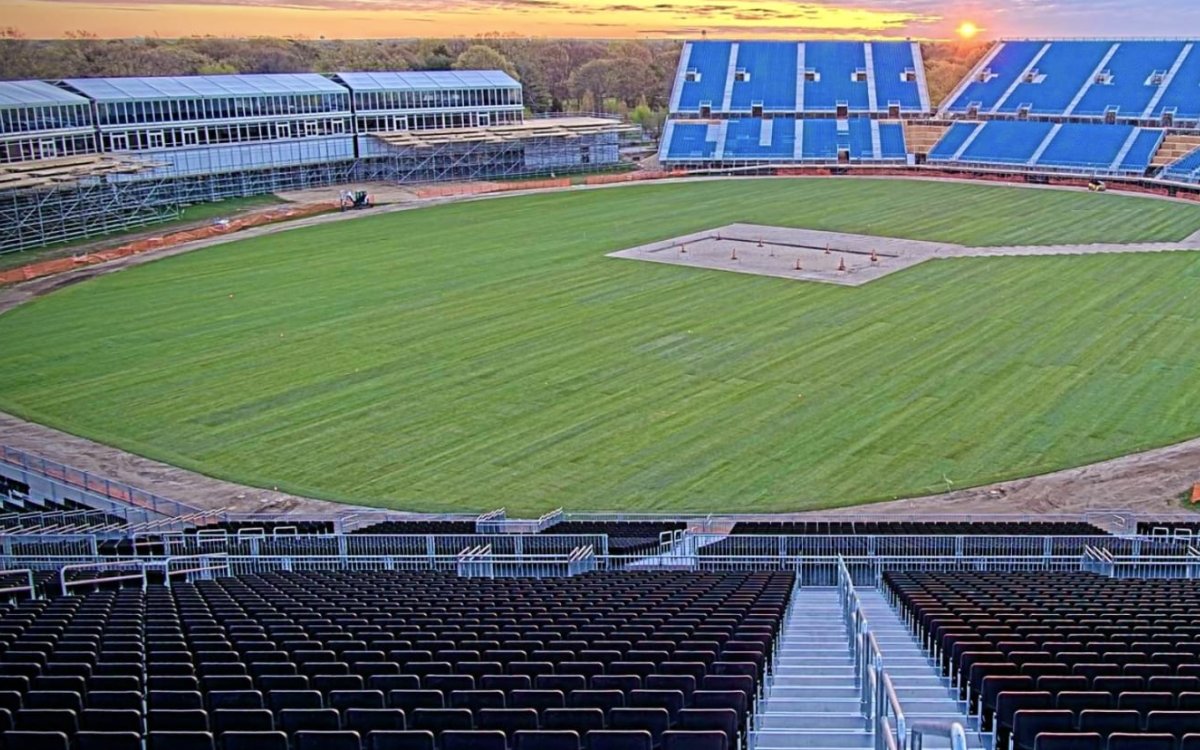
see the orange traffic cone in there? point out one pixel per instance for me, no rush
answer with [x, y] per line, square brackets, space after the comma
[841, 264]
[1196, 494]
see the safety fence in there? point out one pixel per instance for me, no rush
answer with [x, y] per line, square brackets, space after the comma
[59, 522]
[481, 562]
[108, 489]
[60, 545]
[163, 241]
[253, 543]
[498, 523]
[88, 570]
[1102, 562]
[965, 545]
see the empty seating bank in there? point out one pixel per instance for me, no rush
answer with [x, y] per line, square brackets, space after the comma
[1064, 660]
[387, 660]
[1095, 108]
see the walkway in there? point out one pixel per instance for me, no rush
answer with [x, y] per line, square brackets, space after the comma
[924, 694]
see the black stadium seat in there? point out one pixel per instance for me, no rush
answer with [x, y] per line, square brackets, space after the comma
[385, 660]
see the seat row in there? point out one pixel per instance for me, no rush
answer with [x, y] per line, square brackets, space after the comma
[653, 652]
[1035, 715]
[1100, 656]
[602, 739]
[291, 722]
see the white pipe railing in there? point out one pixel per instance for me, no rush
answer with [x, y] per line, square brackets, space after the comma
[880, 704]
[115, 565]
[952, 731]
[29, 586]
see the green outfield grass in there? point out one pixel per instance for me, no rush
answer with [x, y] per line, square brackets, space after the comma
[487, 354]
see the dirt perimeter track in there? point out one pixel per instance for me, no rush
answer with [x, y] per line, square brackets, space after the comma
[1146, 482]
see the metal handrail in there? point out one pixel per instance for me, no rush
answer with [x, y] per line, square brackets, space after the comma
[66, 585]
[952, 731]
[203, 567]
[30, 586]
[879, 699]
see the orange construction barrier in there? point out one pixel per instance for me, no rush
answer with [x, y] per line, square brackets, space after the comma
[171, 239]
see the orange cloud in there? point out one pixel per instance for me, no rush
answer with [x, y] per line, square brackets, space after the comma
[417, 18]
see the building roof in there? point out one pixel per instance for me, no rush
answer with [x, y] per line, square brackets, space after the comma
[35, 94]
[429, 80]
[207, 87]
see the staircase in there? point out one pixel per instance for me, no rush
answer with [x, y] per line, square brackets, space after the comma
[814, 701]
[924, 694]
[920, 139]
[1174, 147]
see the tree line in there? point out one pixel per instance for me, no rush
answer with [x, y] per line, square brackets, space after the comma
[626, 77]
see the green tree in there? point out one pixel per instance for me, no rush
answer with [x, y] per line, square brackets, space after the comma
[591, 78]
[483, 57]
[434, 55]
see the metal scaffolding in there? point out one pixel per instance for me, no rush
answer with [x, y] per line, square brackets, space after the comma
[48, 214]
[96, 204]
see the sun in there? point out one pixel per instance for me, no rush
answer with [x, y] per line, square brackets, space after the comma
[967, 30]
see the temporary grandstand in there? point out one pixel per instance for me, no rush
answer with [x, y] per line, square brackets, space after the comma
[1138, 82]
[748, 103]
[143, 147]
[132, 622]
[1092, 109]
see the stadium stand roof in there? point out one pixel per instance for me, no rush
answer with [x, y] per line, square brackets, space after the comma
[15, 94]
[187, 87]
[428, 81]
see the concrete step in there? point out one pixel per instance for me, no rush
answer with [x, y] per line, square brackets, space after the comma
[816, 704]
[814, 720]
[787, 739]
[819, 670]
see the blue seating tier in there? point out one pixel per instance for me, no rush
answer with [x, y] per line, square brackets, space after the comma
[771, 67]
[1004, 142]
[834, 65]
[1186, 169]
[1182, 94]
[710, 61]
[952, 140]
[1138, 80]
[1058, 75]
[1128, 71]
[774, 140]
[892, 62]
[688, 140]
[799, 77]
[1085, 147]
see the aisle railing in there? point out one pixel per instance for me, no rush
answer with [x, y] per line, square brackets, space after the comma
[880, 704]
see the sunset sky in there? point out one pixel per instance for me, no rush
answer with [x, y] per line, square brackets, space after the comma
[600, 18]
